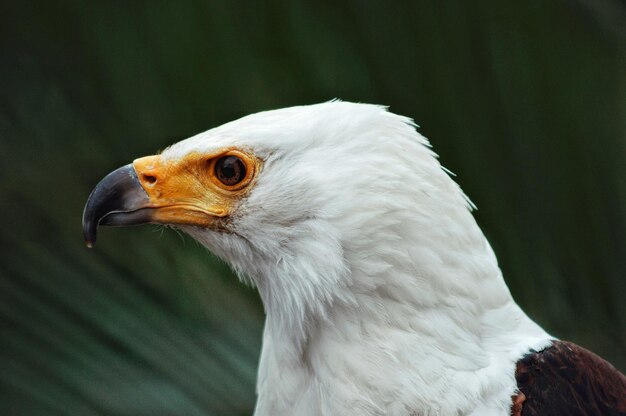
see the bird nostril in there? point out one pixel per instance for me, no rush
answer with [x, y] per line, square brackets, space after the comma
[149, 179]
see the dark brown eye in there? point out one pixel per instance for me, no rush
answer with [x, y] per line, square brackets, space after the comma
[230, 170]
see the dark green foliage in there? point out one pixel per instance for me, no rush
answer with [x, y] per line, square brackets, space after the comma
[524, 101]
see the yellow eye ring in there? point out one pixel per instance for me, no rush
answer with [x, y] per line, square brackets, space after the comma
[232, 171]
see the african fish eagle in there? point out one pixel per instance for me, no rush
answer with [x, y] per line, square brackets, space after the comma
[382, 295]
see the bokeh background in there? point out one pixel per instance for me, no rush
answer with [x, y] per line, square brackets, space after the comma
[525, 101]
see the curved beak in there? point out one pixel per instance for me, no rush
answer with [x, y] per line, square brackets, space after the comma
[119, 199]
[153, 190]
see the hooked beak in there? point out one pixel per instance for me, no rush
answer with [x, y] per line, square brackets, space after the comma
[119, 199]
[163, 191]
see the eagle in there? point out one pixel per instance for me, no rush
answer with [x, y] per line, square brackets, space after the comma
[382, 296]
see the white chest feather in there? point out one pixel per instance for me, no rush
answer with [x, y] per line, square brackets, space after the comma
[390, 368]
[424, 326]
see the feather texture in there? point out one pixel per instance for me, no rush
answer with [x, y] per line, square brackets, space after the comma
[566, 379]
[382, 294]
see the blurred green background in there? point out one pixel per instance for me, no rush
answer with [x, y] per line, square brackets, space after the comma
[525, 101]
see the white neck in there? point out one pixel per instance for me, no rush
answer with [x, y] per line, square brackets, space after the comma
[383, 355]
[425, 325]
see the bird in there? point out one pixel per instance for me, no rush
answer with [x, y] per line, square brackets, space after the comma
[382, 296]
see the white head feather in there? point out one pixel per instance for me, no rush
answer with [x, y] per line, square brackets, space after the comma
[382, 294]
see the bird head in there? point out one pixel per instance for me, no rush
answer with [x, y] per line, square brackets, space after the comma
[314, 205]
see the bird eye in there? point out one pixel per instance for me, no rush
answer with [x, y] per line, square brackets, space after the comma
[230, 170]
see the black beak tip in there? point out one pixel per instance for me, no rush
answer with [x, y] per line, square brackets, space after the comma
[90, 229]
[118, 193]
[90, 236]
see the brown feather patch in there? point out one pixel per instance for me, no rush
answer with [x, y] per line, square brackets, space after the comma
[565, 379]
